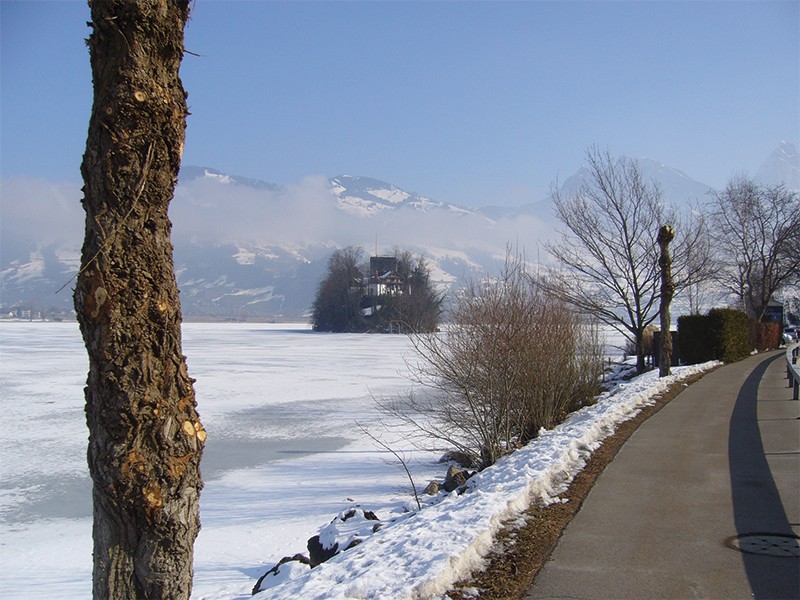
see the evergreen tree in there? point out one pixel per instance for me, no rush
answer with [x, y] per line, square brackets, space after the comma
[337, 304]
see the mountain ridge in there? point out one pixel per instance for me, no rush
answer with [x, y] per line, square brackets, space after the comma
[264, 259]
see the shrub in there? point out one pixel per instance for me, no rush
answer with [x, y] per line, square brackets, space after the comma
[697, 343]
[730, 330]
[765, 336]
[723, 334]
[512, 360]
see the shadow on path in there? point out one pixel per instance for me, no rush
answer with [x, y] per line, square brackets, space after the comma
[757, 505]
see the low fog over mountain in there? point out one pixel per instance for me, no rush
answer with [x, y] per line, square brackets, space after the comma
[250, 249]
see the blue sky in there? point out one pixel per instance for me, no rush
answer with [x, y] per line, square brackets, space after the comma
[468, 102]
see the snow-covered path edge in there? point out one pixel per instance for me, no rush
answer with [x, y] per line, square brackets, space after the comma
[423, 556]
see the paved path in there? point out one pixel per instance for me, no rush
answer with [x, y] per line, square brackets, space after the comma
[721, 460]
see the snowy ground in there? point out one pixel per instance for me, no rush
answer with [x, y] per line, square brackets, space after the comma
[283, 458]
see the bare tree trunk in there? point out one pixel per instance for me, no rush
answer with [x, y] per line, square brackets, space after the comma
[145, 437]
[665, 235]
[641, 361]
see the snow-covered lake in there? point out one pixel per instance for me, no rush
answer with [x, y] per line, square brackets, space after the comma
[284, 455]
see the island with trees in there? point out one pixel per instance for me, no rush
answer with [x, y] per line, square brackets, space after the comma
[387, 294]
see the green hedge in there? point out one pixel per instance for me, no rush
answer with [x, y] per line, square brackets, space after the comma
[696, 341]
[723, 334]
[731, 332]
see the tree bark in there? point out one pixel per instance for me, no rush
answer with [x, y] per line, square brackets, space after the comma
[641, 361]
[145, 437]
[665, 235]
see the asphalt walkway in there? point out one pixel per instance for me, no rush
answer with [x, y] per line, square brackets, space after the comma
[715, 470]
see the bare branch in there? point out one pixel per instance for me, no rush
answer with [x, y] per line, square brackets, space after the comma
[402, 460]
[755, 231]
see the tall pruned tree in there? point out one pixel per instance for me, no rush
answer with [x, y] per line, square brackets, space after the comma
[607, 255]
[145, 437]
[665, 235]
[756, 231]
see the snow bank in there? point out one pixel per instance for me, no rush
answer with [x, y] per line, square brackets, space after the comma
[423, 555]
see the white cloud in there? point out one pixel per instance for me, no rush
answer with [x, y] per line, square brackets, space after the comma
[209, 211]
[306, 212]
[41, 211]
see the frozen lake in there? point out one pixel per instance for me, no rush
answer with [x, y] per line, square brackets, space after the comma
[283, 456]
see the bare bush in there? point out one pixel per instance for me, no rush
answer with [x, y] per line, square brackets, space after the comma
[512, 360]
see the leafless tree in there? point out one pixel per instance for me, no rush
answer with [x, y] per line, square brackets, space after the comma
[695, 261]
[607, 255]
[145, 437]
[756, 231]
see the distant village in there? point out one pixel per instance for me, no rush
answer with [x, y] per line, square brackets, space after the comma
[29, 312]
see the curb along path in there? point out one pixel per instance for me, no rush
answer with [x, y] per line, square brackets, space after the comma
[715, 472]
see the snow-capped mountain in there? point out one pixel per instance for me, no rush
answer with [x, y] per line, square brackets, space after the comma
[359, 196]
[781, 167]
[677, 188]
[365, 196]
[246, 248]
[265, 258]
[252, 249]
[191, 172]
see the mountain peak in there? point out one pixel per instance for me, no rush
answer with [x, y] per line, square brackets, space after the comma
[359, 182]
[782, 167]
[676, 186]
[192, 173]
[365, 196]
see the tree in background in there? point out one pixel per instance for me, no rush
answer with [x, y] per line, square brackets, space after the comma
[792, 307]
[607, 257]
[697, 262]
[337, 303]
[417, 308]
[756, 231]
[145, 437]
